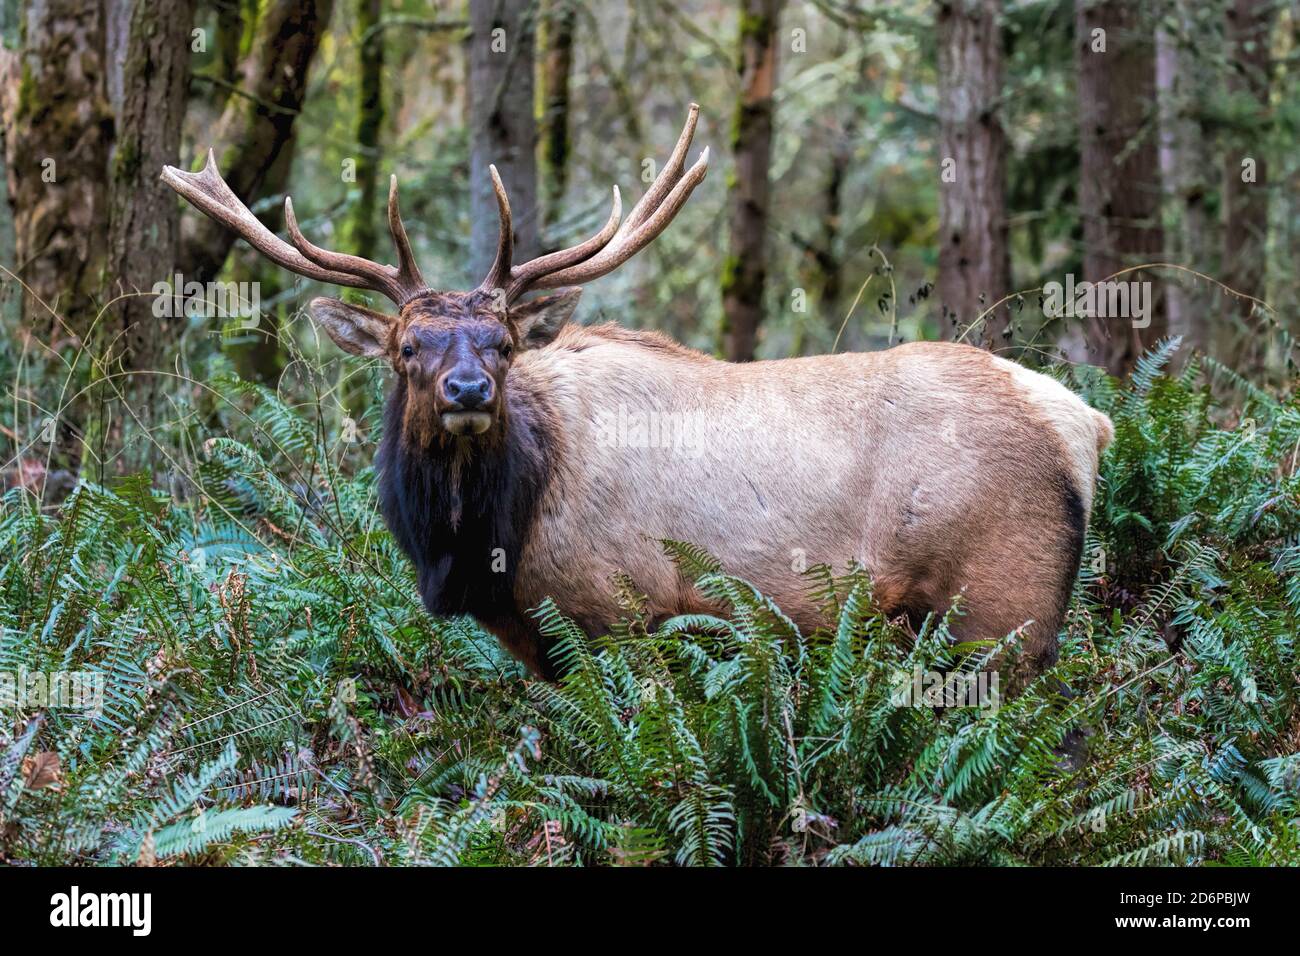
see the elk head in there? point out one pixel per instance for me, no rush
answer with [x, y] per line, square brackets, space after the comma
[453, 349]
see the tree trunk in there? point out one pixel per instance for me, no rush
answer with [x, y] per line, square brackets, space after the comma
[1185, 157]
[744, 272]
[829, 268]
[257, 353]
[1119, 181]
[370, 121]
[230, 34]
[144, 218]
[821, 268]
[557, 64]
[503, 129]
[974, 268]
[1245, 184]
[1176, 138]
[257, 120]
[58, 130]
[10, 75]
[10, 297]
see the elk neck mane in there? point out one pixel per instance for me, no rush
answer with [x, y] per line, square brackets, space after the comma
[461, 512]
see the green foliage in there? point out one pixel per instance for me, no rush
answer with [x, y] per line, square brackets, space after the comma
[274, 692]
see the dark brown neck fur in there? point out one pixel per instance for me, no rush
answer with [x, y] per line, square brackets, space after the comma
[462, 508]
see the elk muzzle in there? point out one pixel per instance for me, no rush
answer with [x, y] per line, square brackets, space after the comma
[466, 399]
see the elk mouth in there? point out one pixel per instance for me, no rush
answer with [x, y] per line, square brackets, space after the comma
[466, 423]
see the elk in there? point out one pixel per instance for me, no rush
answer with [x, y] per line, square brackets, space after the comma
[509, 471]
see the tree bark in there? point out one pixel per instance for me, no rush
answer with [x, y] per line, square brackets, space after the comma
[1245, 202]
[58, 131]
[370, 120]
[829, 267]
[144, 217]
[257, 120]
[744, 273]
[974, 266]
[557, 65]
[1119, 181]
[230, 33]
[821, 268]
[1185, 157]
[1171, 84]
[503, 129]
[257, 353]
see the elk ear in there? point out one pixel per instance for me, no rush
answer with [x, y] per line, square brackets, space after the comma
[540, 320]
[354, 328]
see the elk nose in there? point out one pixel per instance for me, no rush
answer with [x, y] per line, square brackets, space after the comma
[469, 391]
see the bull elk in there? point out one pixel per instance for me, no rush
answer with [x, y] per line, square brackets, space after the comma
[940, 468]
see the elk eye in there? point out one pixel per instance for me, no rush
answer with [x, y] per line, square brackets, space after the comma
[506, 350]
[407, 351]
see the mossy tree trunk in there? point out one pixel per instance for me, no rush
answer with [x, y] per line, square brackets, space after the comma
[1245, 183]
[822, 264]
[503, 127]
[232, 18]
[557, 65]
[1119, 177]
[744, 274]
[144, 218]
[258, 120]
[974, 266]
[257, 352]
[1183, 87]
[363, 236]
[58, 131]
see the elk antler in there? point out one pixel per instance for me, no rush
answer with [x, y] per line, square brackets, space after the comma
[613, 245]
[208, 192]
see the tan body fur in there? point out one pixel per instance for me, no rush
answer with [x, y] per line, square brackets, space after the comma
[936, 466]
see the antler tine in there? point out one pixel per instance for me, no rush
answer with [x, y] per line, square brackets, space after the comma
[408, 272]
[615, 243]
[499, 275]
[668, 176]
[208, 192]
[627, 244]
[382, 278]
[524, 276]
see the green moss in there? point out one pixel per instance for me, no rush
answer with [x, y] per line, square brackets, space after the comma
[26, 92]
[249, 16]
[126, 161]
[137, 66]
[755, 26]
[730, 273]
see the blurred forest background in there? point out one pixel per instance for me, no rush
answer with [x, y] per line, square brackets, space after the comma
[881, 172]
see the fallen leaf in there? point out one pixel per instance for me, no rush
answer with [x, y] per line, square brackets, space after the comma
[42, 771]
[406, 705]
